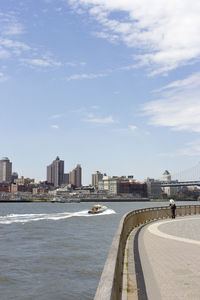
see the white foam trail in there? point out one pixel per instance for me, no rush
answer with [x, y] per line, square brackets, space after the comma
[24, 218]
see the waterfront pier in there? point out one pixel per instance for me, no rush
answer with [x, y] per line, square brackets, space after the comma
[154, 257]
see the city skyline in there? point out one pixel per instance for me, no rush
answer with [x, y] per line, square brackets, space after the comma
[112, 85]
[57, 176]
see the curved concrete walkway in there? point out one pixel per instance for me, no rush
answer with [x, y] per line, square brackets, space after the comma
[169, 252]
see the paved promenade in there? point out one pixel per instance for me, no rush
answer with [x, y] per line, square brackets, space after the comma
[169, 252]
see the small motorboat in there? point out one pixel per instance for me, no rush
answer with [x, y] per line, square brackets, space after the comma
[97, 209]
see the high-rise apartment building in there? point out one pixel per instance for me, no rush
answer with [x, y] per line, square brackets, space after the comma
[75, 176]
[66, 178]
[95, 178]
[5, 170]
[55, 172]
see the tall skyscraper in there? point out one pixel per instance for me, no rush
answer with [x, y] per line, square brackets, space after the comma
[95, 178]
[5, 170]
[55, 172]
[78, 175]
[75, 176]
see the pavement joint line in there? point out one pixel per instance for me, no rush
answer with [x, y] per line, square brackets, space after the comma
[153, 228]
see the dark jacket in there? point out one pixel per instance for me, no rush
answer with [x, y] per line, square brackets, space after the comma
[173, 206]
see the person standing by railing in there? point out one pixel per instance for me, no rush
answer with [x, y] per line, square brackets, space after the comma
[173, 208]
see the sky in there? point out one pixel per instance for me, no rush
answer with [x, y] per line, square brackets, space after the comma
[113, 85]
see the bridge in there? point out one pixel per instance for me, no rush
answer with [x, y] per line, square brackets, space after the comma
[179, 183]
[191, 173]
[187, 177]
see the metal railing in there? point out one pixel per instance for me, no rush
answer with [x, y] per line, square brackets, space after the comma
[110, 284]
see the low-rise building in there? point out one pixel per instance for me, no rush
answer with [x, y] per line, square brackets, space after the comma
[153, 187]
[24, 181]
[110, 184]
[134, 188]
[4, 187]
[122, 185]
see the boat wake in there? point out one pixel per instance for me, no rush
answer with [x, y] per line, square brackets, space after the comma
[24, 218]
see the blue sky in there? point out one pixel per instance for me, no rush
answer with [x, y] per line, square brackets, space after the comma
[111, 84]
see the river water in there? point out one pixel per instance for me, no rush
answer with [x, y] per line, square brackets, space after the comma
[56, 251]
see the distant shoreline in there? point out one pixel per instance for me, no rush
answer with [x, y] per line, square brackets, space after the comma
[81, 201]
[22, 200]
[91, 200]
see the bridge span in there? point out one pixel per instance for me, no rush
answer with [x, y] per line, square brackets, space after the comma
[180, 183]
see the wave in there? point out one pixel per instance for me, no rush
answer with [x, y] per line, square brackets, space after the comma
[24, 218]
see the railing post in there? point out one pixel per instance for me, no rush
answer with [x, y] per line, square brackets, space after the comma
[189, 210]
[180, 211]
[185, 211]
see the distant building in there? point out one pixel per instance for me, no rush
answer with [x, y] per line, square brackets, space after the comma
[5, 170]
[66, 178]
[75, 176]
[110, 184]
[153, 187]
[166, 176]
[72, 177]
[24, 181]
[132, 187]
[169, 190]
[22, 184]
[55, 172]
[96, 178]
[122, 185]
[4, 187]
[14, 176]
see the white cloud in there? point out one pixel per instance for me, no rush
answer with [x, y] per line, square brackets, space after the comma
[75, 64]
[106, 120]
[178, 106]
[13, 29]
[165, 31]
[58, 116]
[10, 30]
[13, 44]
[54, 126]
[9, 25]
[9, 47]
[105, 35]
[59, 9]
[3, 77]
[40, 62]
[4, 54]
[189, 149]
[126, 130]
[190, 82]
[92, 115]
[132, 127]
[86, 76]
